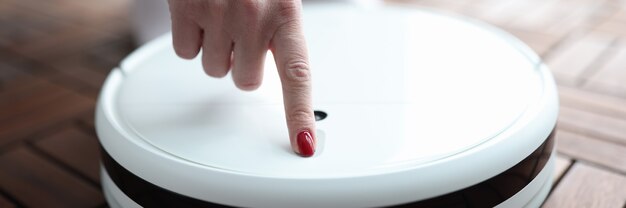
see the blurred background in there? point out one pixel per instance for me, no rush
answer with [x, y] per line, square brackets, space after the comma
[55, 55]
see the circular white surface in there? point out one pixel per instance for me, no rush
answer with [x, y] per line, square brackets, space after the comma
[401, 88]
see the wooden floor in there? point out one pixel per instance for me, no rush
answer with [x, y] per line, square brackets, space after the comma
[54, 56]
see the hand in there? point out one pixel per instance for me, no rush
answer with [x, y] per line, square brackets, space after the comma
[237, 34]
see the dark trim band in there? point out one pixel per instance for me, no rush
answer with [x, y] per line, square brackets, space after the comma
[488, 193]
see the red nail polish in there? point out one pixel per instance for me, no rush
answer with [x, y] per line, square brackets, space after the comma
[305, 144]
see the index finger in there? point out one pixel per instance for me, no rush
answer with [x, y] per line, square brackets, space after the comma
[290, 54]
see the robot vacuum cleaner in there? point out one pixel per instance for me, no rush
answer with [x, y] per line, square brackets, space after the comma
[415, 109]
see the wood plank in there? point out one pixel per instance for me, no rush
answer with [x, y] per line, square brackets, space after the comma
[108, 53]
[540, 18]
[588, 186]
[576, 15]
[499, 13]
[7, 73]
[35, 182]
[538, 41]
[75, 148]
[592, 102]
[620, 14]
[616, 24]
[16, 33]
[97, 11]
[569, 61]
[38, 97]
[77, 11]
[5, 203]
[92, 77]
[593, 150]
[92, 64]
[64, 42]
[50, 30]
[611, 77]
[89, 119]
[562, 164]
[448, 5]
[592, 124]
[612, 27]
[60, 109]
[20, 87]
[75, 85]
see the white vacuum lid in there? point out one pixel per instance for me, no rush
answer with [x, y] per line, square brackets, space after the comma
[403, 89]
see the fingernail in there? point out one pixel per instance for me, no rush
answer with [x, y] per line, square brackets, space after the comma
[305, 144]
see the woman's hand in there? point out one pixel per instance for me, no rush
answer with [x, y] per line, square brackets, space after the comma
[236, 34]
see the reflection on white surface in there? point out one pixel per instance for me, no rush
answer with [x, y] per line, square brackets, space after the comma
[400, 88]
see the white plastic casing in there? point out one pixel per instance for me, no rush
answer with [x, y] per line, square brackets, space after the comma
[419, 104]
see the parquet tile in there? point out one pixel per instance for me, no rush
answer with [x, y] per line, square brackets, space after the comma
[40, 106]
[611, 77]
[588, 186]
[8, 73]
[571, 59]
[499, 13]
[538, 41]
[593, 102]
[4, 202]
[614, 24]
[562, 164]
[540, 17]
[592, 150]
[35, 182]
[570, 16]
[74, 148]
[587, 123]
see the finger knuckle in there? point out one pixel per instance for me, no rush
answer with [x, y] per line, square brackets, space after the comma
[183, 52]
[214, 72]
[248, 84]
[251, 6]
[300, 116]
[195, 10]
[213, 68]
[288, 11]
[288, 8]
[298, 71]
